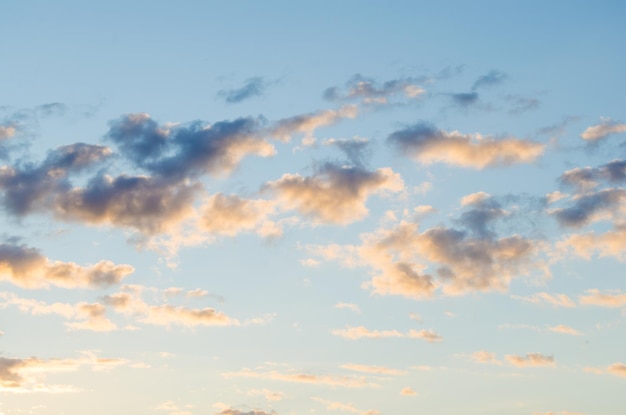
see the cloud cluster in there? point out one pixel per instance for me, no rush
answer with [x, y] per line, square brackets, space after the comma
[600, 131]
[426, 144]
[369, 91]
[531, 360]
[28, 268]
[252, 87]
[335, 194]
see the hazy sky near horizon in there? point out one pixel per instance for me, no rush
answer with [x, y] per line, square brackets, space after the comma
[254, 208]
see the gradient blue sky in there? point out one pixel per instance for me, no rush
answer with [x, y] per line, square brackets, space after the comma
[253, 208]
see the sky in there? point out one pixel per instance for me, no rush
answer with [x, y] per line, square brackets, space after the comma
[255, 208]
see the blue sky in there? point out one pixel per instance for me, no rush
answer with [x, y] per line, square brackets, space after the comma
[254, 208]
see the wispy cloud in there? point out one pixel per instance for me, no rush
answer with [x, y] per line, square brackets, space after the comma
[360, 332]
[531, 360]
[600, 131]
[252, 87]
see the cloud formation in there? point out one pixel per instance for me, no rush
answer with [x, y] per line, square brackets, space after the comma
[531, 360]
[327, 380]
[28, 268]
[252, 87]
[492, 78]
[600, 131]
[426, 144]
[334, 194]
[361, 332]
[306, 124]
[369, 91]
[597, 298]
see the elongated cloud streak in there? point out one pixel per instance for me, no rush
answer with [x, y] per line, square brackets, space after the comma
[428, 145]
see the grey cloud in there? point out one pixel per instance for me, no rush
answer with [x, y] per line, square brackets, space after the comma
[521, 104]
[147, 204]
[178, 152]
[25, 187]
[371, 91]
[490, 79]
[480, 216]
[231, 411]
[587, 177]
[587, 207]
[356, 149]
[251, 88]
[428, 144]
[463, 99]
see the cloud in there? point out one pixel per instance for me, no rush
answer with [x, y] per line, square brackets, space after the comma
[360, 332]
[565, 330]
[30, 187]
[6, 132]
[353, 307]
[428, 145]
[193, 149]
[378, 370]
[28, 375]
[616, 369]
[611, 243]
[591, 207]
[252, 87]
[408, 392]
[520, 104]
[231, 214]
[86, 316]
[490, 79]
[129, 302]
[327, 380]
[585, 178]
[306, 124]
[370, 91]
[531, 360]
[597, 298]
[335, 194]
[355, 148]
[600, 131]
[147, 204]
[484, 357]
[463, 99]
[556, 300]
[27, 268]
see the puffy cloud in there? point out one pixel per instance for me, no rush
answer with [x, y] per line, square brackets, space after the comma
[378, 370]
[484, 356]
[491, 78]
[231, 214]
[556, 300]
[585, 178]
[531, 360]
[26, 188]
[335, 194]
[354, 333]
[611, 243]
[306, 124]
[597, 298]
[369, 91]
[148, 204]
[327, 380]
[26, 267]
[565, 330]
[407, 391]
[28, 375]
[252, 87]
[600, 131]
[591, 207]
[428, 145]
[192, 149]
